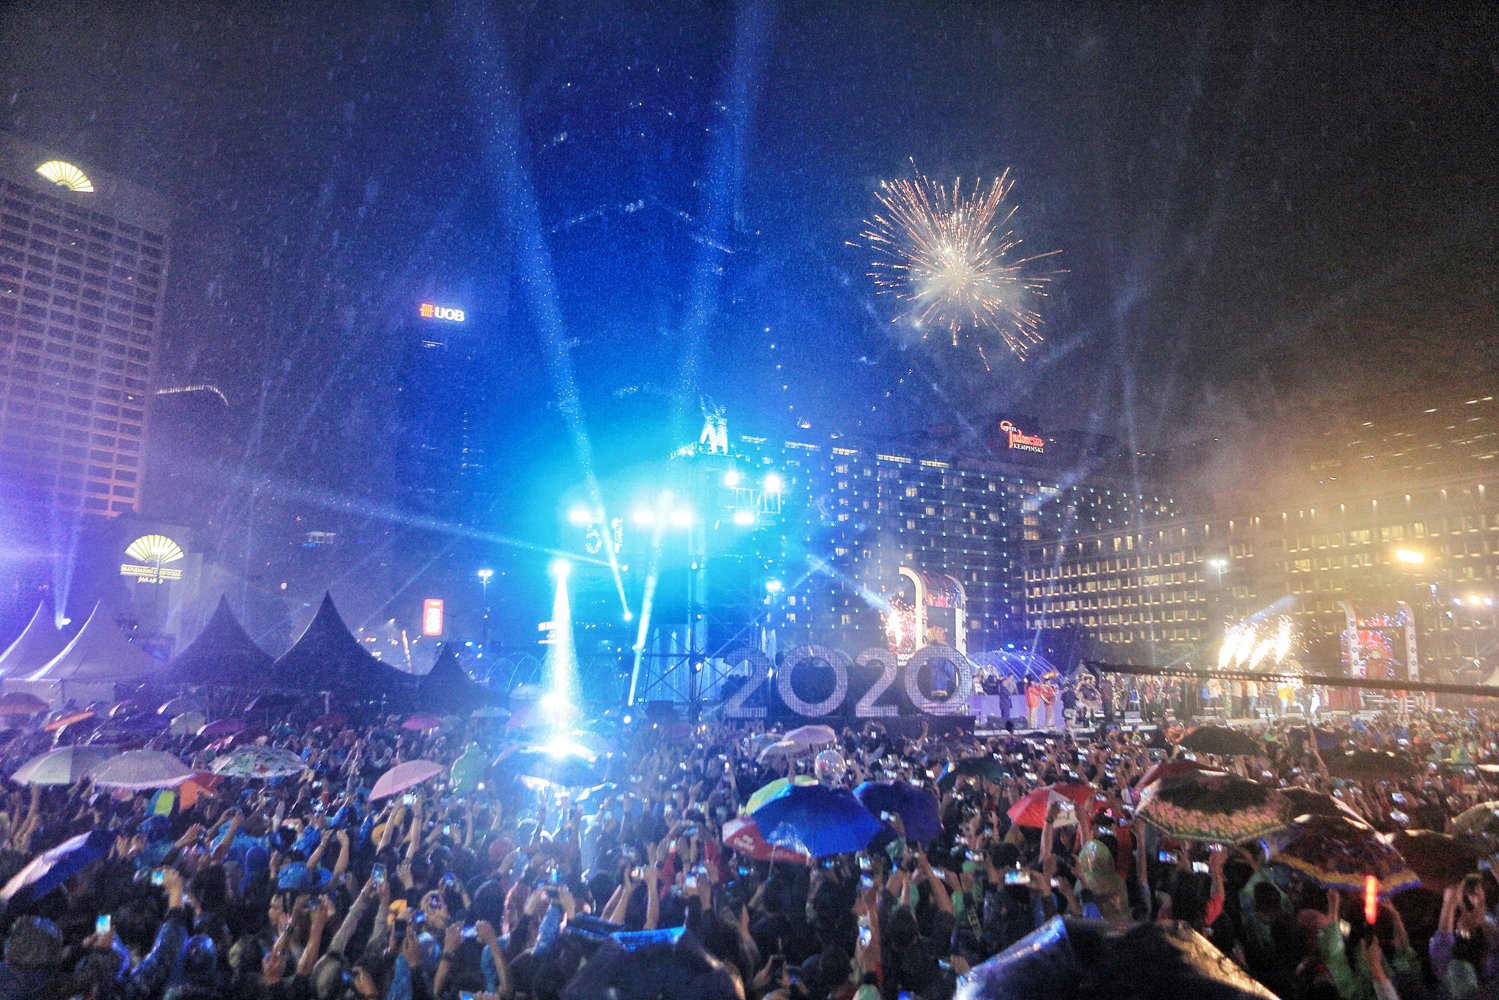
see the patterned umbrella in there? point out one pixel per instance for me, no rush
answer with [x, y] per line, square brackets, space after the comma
[1032, 807]
[402, 777]
[1169, 769]
[1336, 853]
[1306, 801]
[137, 770]
[1212, 807]
[743, 835]
[62, 766]
[259, 762]
[770, 790]
[1480, 822]
[817, 820]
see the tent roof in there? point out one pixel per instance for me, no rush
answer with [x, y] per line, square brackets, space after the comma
[38, 642]
[447, 687]
[99, 652]
[327, 657]
[223, 653]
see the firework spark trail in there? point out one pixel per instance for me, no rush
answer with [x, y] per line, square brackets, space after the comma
[954, 257]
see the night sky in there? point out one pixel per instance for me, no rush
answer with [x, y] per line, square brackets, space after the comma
[1256, 208]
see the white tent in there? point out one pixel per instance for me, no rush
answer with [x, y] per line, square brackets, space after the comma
[1493, 680]
[88, 668]
[37, 644]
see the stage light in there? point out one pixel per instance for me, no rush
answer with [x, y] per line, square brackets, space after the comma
[580, 515]
[744, 518]
[644, 516]
[682, 517]
[560, 568]
[629, 616]
[773, 586]
[485, 575]
[731, 478]
[627, 719]
[773, 483]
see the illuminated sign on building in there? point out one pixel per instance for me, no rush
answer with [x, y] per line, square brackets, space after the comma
[152, 553]
[430, 311]
[432, 616]
[1021, 441]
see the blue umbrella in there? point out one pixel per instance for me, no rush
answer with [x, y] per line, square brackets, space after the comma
[916, 808]
[51, 869]
[817, 820]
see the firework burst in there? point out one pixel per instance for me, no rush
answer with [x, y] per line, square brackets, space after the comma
[955, 260]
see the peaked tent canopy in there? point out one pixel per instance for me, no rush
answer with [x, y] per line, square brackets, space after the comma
[88, 668]
[447, 689]
[327, 657]
[223, 653]
[37, 644]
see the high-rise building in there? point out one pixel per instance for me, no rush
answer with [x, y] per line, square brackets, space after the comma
[83, 270]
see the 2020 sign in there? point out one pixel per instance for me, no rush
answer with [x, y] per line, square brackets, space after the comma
[871, 685]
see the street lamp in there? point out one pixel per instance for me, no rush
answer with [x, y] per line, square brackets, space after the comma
[484, 577]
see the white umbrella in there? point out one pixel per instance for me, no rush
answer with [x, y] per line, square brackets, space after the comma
[813, 736]
[188, 723]
[402, 777]
[138, 770]
[62, 766]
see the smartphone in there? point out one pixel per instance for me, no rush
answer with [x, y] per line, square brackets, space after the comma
[465, 995]
[1199, 868]
[690, 830]
[407, 799]
[865, 883]
[1167, 858]
[1014, 876]
[377, 875]
[690, 883]
[864, 864]
[866, 935]
[419, 921]
[778, 967]
[104, 924]
[447, 829]
[470, 931]
[1484, 865]
[1344, 927]
[157, 876]
[1398, 798]
[638, 872]
[449, 880]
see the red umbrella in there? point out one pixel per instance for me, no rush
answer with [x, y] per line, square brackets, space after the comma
[1031, 809]
[67, 720]
[743, 835]
[1170, 769]
[21, 703]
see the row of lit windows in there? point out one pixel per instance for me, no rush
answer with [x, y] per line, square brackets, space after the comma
[25, 199]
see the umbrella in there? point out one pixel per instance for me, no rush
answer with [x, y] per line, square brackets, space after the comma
[421, 722]
[200, 784]
[21, 703]
[1438, 858]
[1032, 807]
[1337, 853]
[333, 720]
[1370, 765]
[1071, 959]
[972, 767]
[743, 834]
[1169, 769]
[221, 728]
[813, 736]
[402, 777]
[67, 719]
[51, 869]
[1480, 821]
[130, 706]
[758, 742]
[62, 766]
[917, 809]
[187, 723]
[1221, 740]
[1212, 806]
[259, 762]
[140, 769]
[569, 764]
[817, 820]
[770, 790]
[784, 748]
[183, 703]
[1305, 801]
[490, 712]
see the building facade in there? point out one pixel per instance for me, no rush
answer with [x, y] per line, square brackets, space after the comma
[83, 272]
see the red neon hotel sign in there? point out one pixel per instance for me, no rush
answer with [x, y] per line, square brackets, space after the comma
[1020, 440]
[432, 616]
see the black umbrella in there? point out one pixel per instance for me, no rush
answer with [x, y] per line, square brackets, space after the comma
[1439, 858]
[1067, 959]
[986, 768]
[1221, 740]
[1308, 802]
[571, 765]
[1370, 765]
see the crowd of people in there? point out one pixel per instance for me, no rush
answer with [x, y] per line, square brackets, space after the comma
[483, 882]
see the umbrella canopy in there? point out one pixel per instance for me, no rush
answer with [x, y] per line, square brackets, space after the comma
[68, 719]
[1212, 807]
[1169, 769]
[51, 869]
[569, 764]
[1370, 765]
[200, 784]
[187, 723]
[221, 728]
[782, 748]
[1337, 853]
[771, 789]
[813, 736]
[1032, 807]
[180, 704]
[258, 762]
[21, 703]
[918, 810]
[817, 820]
[62, 766]
[130, 706]
[402, 777]
[743, 834]
[421, 722]
[1221, 740]
[137, 770]
[1480, 821]
[1307, 802]
[1438, 858]
[986, 768]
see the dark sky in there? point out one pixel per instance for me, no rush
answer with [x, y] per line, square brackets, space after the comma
[1289, 201]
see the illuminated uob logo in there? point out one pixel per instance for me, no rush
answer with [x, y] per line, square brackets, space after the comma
[430, 311]
[1020, 440]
